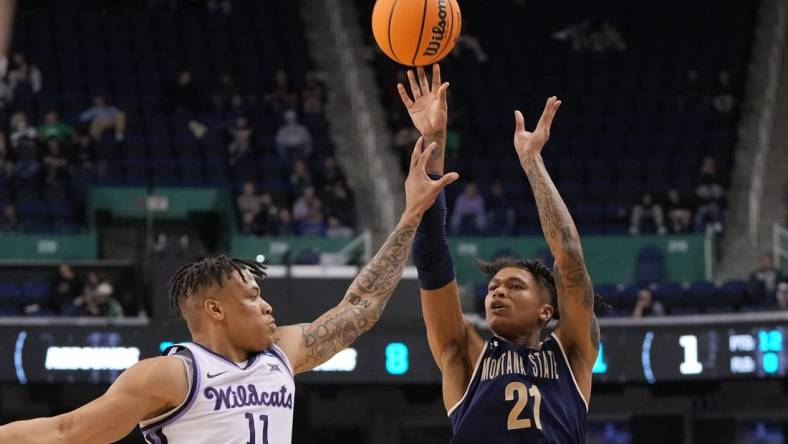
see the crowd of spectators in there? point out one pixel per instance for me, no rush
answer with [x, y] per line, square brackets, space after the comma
[677, 213]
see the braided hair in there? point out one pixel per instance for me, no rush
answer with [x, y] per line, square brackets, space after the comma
[541, 273]
[200, 274]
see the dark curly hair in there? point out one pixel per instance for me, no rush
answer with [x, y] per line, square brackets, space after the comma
[203, 273]
[540, 272]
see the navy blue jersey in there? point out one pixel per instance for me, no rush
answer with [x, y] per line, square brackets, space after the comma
[520, 395]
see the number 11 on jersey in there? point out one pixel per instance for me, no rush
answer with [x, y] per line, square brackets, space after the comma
[514, 421]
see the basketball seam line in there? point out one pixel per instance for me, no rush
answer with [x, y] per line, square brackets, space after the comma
[391, 15]
[448, 36]
[421, 33]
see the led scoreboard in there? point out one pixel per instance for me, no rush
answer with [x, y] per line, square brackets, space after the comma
[672, 349]
[651, 350]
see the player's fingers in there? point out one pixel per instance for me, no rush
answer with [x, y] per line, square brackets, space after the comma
[423, 82]
[551, 115]
[436, 76]
[519, 121]
[547, 115]
[442, 91]
[447, 179]
[414, 158]
[414, 86]
[403, 94]
[421, 163]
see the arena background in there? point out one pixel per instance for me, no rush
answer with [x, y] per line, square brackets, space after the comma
[209, 106]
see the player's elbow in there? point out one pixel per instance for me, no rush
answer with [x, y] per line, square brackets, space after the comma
[65, 429]
[570, 255]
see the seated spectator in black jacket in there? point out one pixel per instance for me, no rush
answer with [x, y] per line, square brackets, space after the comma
[66, 288]
[500, 215]
[679, 212]
[647, 209]
[647, 306]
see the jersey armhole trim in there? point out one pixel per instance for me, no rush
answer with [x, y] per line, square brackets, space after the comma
[569, 366]
[470, 381]
[177, 412]
[279, 353]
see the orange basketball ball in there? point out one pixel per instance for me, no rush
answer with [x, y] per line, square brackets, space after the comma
[416, 32]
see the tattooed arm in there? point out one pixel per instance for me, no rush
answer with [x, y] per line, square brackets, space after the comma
[309, 345]
[577, 329]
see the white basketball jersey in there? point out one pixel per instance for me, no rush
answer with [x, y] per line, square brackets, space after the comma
[227, 403]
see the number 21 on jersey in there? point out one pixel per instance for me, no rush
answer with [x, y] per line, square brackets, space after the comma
[517, 391]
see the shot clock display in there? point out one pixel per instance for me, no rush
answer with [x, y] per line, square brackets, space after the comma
[631, 351]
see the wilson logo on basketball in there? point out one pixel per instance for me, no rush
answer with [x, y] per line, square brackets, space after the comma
[438, 31]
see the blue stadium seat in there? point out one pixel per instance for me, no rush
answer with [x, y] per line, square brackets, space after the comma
[650, 266]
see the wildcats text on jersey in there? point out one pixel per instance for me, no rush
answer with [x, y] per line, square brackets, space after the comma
[232, 397]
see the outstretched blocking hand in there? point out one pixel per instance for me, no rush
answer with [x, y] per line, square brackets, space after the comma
[529, 143]
[420, 190]
[427, 109]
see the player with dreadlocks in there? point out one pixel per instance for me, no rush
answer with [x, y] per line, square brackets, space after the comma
[521, 385]
[234, 381]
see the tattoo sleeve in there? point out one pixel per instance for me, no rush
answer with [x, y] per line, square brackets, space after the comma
[363, 303]
[561, 234]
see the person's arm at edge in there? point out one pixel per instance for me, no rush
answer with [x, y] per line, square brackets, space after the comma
[147, 389]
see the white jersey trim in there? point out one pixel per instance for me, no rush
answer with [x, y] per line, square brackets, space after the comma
[470, 381]
[571, 373]
[190, 376]
[284, 357]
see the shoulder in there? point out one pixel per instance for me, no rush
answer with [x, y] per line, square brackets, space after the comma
[164, 377]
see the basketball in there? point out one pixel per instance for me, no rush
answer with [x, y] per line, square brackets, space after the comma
[416, 32]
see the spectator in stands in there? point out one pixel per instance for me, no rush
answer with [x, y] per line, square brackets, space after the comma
[9, 222]
[6, 165]
[468, 41]
[85, 162]
[330, 173]
[305, 201]
[55, 164]
[335, 228]
[268, 215]
[723, 100]
[282, 97]
[27, 167]
[102, 303]
[647, 306]
[781, 296]
[710, 195]
[300, 178]
[576, 34]
[312, 223]
[225, 6]
[764, 280]
[24, 79]
[284, 226]
[646, 209]
[692, 97]
[609, 37]
[102, 117]
[468, 216]
[240, 140]
[500, 215]
[183, 93]
[53, 128]
[679, 212]
[313, 94]
[293, 140]
[20, 129]
[337, 202]
[66, 288]
[248, 201]
[249, 224]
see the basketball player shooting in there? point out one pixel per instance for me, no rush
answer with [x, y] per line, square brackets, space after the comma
[514, 388]
[234, 381]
